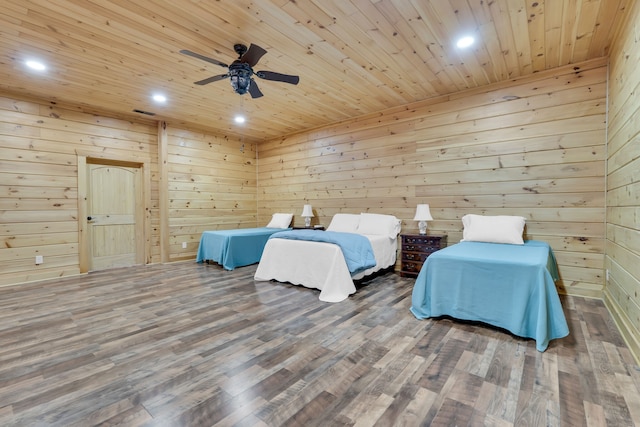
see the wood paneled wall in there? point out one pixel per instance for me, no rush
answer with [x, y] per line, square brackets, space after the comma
[211, 186]
[622, 292]
[533, 147]
[39, 145]
[197, 182]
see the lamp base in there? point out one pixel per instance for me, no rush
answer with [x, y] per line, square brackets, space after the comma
[307, 221]
[422, 226]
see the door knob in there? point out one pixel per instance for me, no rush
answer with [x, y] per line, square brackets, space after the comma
[89, 218]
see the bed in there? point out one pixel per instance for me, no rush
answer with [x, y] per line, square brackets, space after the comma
[322, 265]
[507, 285]
[239, 247]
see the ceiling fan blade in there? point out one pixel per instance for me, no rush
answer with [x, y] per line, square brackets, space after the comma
[270, 75]
[253, 55]
[204, 58]
[211, 79]
[254, 90]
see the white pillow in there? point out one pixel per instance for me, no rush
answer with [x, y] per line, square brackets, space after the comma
[493, 229]
[343, 222]
[280, 220]
[378, 224]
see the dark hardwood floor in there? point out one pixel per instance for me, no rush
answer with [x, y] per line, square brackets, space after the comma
[187, 344]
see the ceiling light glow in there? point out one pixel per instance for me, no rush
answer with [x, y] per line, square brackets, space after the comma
[159, 98]
[239, 119]
[36, 65]
[465, 42]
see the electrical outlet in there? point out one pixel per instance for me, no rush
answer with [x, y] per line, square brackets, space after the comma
[39, 259]
[184, 245]
[608, 274]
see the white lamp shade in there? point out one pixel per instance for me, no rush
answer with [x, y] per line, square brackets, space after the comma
[423, 213]
[307, 211]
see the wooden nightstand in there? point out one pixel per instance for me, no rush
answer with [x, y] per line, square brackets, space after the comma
[415, 250]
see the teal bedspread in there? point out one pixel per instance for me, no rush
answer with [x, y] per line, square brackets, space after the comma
[234, 248]
[508, 286]
[356, 248]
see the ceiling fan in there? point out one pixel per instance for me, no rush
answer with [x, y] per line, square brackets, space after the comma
[241, 70]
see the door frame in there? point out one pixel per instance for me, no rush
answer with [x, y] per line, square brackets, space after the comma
[143, 223]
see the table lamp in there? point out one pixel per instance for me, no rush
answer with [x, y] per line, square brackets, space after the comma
[307, 214]
[422, 215]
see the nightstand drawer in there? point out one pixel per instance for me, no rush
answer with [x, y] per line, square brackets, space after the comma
[415, 256]
[410, 268]
[416, 248]
[421, 248]
[413, 239]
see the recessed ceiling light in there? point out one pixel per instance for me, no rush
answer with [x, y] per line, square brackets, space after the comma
[159, 98]
[465, 42]
[36, 65]
[239, 119]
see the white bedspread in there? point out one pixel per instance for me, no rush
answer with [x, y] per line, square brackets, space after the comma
[319, 265]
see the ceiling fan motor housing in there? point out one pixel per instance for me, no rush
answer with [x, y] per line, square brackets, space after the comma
[240, 76]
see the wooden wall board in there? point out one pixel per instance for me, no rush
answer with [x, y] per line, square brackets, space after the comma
[620, 163]
[624, 216]
[623, 288]
[53, 238]
[534, 186]
[26, 228]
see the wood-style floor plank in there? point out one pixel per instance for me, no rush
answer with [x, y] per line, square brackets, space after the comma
[188, 344]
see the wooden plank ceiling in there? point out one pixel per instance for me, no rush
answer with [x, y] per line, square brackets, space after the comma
[354, 57]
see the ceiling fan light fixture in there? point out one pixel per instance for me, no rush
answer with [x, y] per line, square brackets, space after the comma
[240, 77]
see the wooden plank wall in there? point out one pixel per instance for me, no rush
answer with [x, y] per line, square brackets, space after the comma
[622, 292]
[533, 147]
[39, 181]
[210, 183]
[211, 186]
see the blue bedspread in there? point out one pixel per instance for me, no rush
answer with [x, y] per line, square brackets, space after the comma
[356, 248]
[234, 248]
[509, 286]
